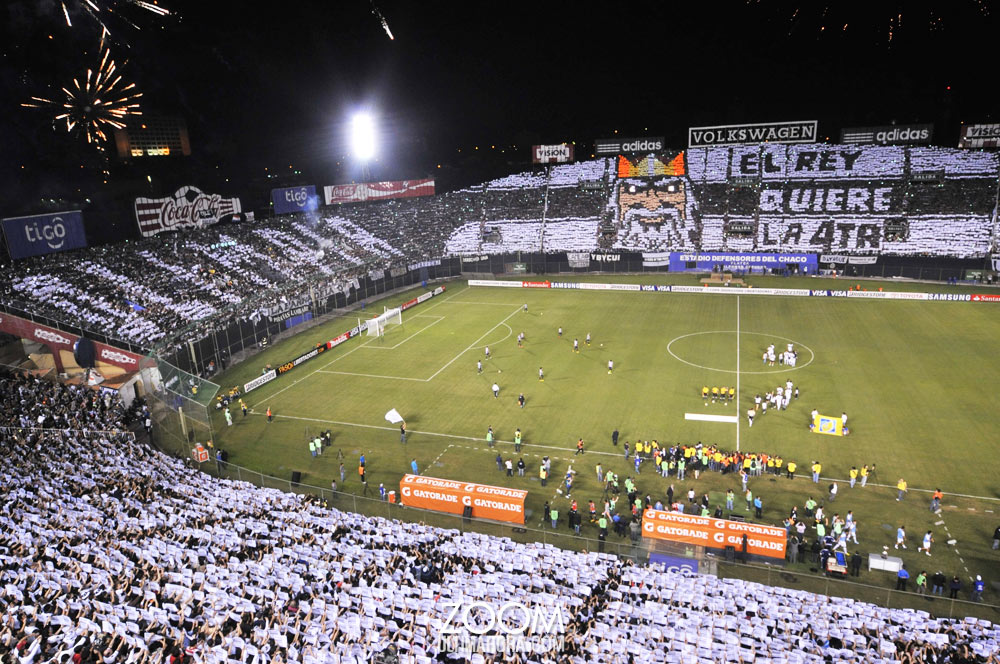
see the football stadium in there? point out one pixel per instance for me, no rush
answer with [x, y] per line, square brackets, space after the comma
[624, 399]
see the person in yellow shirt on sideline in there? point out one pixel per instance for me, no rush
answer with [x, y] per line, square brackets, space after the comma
[715, 394]
[864, 475]
[816, 468]
[900, 489]
[853, 475]
[790, 468]
[778, 463]
[732, 393]
[704, 394]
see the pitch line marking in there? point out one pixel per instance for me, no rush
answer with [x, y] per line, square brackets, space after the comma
[435, 433]
[439, 319]
[364, 375]
[446, 298]
[488, 304]
[704, 417]
[812, 355]
[477, 342]
[563, 449]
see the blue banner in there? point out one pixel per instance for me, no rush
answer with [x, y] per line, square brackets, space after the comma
[739, 262]
[674, 563]
[295, 199]
[44, 233]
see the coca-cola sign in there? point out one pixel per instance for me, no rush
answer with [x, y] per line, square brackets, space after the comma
[189, 207]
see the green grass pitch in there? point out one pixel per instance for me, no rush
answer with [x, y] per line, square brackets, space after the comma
[917, 379]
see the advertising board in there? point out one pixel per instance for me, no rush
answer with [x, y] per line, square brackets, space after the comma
[290, 200]
[487, 502]
[376, 191]
[189, 207]
[40, 234]
[798, 131]
[768, 541]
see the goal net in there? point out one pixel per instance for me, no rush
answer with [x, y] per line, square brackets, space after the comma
[376, 326]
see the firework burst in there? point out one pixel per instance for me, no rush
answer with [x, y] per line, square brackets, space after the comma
[102, 11]
[885, 18]
[95, 103]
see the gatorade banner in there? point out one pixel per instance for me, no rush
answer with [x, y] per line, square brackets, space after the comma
[487, 502]
[705, 531]
[829, 425]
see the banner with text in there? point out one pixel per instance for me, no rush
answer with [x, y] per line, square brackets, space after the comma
[44, 233]
[979, 136]
[799, 131]
[552, 154]
[705, 531]
[830, 199]
[700, 262]
[376, 191]
[487, 502]
[290, 200]
[914, 134]
[189, 207]
[615, 146]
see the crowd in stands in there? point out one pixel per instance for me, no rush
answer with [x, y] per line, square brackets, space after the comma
[111, 552]
[143, 292]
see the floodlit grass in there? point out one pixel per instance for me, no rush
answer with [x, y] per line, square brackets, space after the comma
[916, 379]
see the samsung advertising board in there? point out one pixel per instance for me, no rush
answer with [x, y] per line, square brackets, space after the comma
[913, 134]
[700, 262]
[44, 233]
[799, 131]
[295, 199]
[615, 146]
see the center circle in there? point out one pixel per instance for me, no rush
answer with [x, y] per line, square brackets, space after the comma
[812, 355]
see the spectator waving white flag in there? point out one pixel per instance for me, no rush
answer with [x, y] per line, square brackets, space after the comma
[393, 416]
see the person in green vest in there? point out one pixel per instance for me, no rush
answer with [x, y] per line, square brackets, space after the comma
[554, 515]
[542, 474]
[680, 468]
[602, 524]
[810, 506]
[312, 447]
[705, 511]
[820, 530]
[319, 445]
[517, 440]
[489, 436]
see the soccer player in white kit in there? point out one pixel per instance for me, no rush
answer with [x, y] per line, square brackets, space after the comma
[611, 366]
[750, 416]
[926, 546]
[487, 352]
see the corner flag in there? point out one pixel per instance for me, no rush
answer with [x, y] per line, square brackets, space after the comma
[393, 416]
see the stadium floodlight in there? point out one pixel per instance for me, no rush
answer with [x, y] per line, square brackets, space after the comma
[363, 136]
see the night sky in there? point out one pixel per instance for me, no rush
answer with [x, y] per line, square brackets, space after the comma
[269, 85]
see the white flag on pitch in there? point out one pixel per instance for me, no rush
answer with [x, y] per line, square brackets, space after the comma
[393, 416]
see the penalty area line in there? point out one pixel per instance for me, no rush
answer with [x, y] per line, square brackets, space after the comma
[705, 417]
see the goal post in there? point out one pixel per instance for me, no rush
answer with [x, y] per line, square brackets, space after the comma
[377, 325]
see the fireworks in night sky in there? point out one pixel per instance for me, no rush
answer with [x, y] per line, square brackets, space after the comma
[95, 103]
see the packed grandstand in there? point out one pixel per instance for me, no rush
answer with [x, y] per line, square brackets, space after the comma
[114, 552]
[845, 200]
[111, 551]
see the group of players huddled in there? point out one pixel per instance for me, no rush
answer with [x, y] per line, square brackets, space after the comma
[721, 394]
